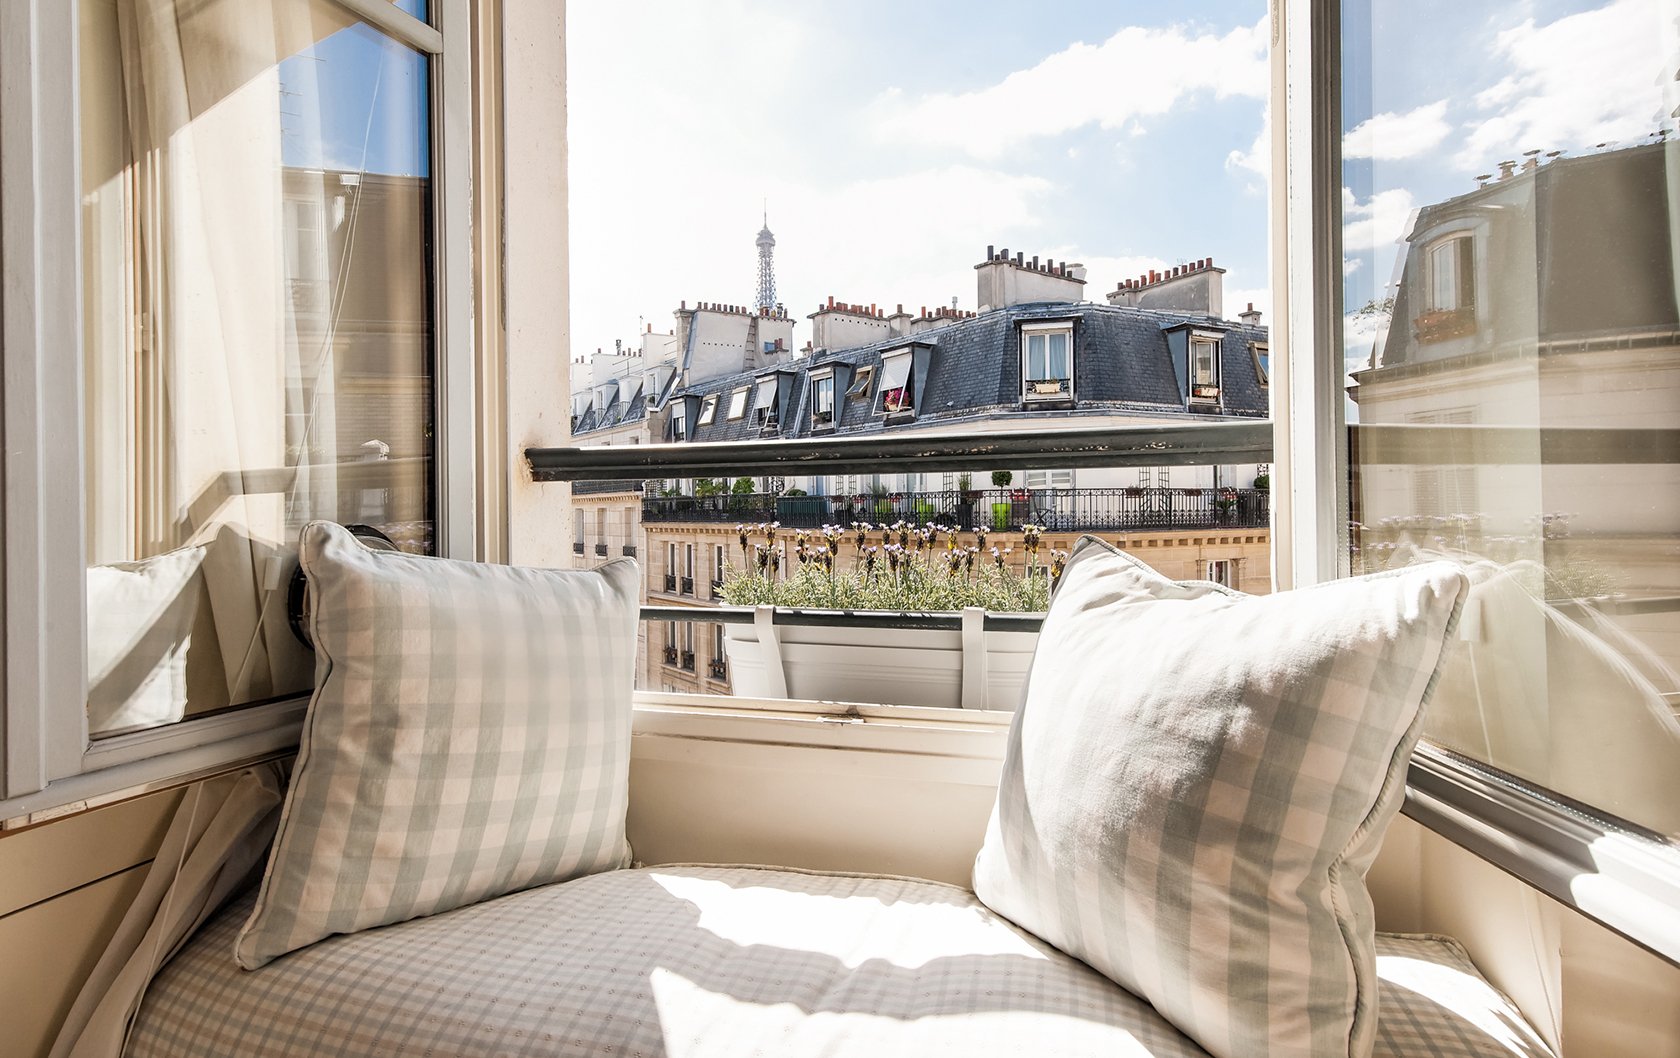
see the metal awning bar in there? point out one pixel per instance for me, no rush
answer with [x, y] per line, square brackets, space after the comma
[743, 615]
[900, 452]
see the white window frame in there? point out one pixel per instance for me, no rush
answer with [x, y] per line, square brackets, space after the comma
[47, 759]
[1030, 330]
[819, 381]
[762, 410]
[738, 402]
[1205, 391]
[1464, 271]
[679, 422]
[708, 409]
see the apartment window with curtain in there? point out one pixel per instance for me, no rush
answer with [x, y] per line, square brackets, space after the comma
[1047, 362]
[1522, 426]
[1204, 369]
[258, 320]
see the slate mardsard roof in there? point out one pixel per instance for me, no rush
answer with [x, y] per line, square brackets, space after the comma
[1126, 362]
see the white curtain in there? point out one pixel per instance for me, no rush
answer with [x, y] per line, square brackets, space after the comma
[215, 844]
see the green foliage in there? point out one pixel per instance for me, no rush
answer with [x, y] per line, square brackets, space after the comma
[965, 482]
[796, 492]
[743, 487]
[710, 486]
[1262, 481]
[1002, 478]
[934, 572]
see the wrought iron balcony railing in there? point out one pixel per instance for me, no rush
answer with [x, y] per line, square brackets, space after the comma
[719, 669]
[577, 547]
[629, 550]
[688, 585]
[670, 583]
[601, 550]
[1058, 510]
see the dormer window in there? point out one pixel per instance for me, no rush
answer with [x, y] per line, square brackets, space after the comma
[708, 409]
[1262, 353]
[822, 399]
[764, 402]
[738, 403]
[1451, 272]
[1204, 369]
[1449, 293]
[679, 424]
[1047, 361]
[897, 392]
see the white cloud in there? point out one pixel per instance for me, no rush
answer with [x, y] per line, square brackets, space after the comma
[1379, 222]
[1258, 158]
[1138, 72]
[1587, 78]
[1351, 265]
[1391, 136]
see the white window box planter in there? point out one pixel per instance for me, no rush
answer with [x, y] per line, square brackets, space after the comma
[969, 669]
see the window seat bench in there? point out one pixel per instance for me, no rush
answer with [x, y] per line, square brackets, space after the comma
[697, 960]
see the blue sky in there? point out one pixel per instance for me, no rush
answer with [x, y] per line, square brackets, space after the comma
[895, 141]
[358, 100]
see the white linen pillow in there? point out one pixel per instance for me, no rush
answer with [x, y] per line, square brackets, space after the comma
[140, 625]
[469, 736]
[1197, 781]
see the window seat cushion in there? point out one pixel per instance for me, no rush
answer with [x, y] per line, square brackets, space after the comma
[731, 961]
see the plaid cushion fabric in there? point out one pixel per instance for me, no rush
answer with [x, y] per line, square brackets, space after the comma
[729, 961]
[469, 736]
[1197, 782]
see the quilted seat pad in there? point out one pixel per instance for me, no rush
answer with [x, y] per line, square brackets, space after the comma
[701, 961]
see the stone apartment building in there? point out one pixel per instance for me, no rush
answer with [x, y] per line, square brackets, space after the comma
[1035, 355]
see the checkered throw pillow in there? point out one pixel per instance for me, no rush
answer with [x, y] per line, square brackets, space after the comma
[1197, 782]
[469, 736]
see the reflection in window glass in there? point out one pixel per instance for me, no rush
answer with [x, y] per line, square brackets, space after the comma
[257, 321]
[1509, 282]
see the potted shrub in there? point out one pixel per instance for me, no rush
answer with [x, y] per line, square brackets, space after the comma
[967, 496]
[899, 567]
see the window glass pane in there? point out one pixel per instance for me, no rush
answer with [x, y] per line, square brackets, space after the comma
[1058, 360]
[257, 309]
[1035, 356]
[1509, 223]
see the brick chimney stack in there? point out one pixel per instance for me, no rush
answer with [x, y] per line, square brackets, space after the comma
[1197, 287]
[1003, 280]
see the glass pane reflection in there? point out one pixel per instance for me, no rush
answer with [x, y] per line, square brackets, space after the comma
[1510, 178]
[257, 316]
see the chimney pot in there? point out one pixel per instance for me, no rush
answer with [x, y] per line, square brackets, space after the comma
[1035, 262]
[990, 252]
[1019, 259]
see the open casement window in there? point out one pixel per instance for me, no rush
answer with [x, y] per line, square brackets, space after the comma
[896, 394]
[765, 410]
[1204, 369]
[1047, 361]
[822, 399]
[258, 315]
[1536, 451]
[708, 410]
[258, 206]
[1262, 353]
[738, 403]
[860, 382]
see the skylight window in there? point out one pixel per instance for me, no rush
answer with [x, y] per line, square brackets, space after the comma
[738, 403]
[708, 409]
[860, 384]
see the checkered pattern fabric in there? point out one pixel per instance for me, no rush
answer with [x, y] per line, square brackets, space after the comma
[702, 961]
[469, 736]
[1197, 782]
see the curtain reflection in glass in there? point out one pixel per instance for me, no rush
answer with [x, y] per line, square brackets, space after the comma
[257, 331]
